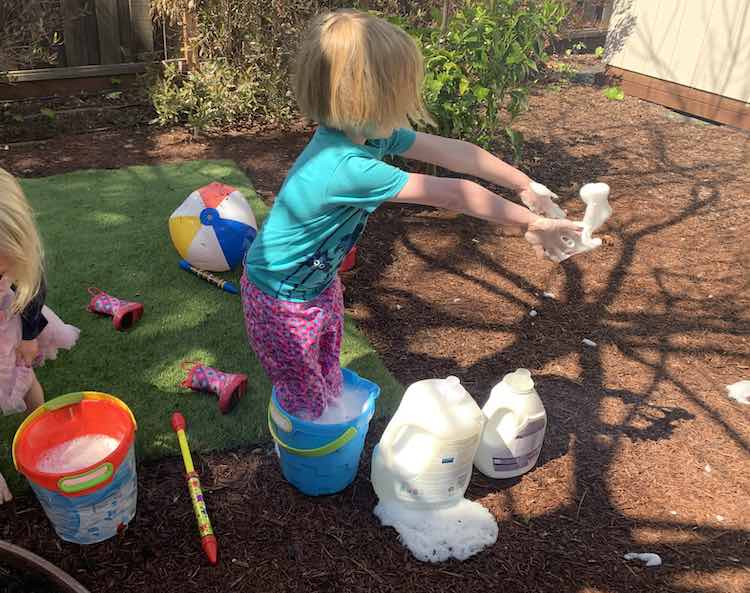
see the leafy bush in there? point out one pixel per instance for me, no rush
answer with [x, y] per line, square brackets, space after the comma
[213, 96]
[245, 48]
[30, 33]
[614, 93]
[478, 72]
[477, 69]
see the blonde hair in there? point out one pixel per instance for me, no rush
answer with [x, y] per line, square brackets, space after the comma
[19, 242]
[360, 74]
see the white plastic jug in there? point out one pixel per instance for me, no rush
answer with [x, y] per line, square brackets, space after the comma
[425, 456]
[514, 431]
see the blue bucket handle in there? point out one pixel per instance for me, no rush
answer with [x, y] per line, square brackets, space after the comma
[326, 449]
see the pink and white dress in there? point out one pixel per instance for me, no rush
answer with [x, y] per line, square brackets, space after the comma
[15, 378]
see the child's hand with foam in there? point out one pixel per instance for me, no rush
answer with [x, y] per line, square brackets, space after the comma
[560, 239]
[540, 200]
[556, 240]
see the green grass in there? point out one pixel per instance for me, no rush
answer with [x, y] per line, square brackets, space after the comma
[109, 229]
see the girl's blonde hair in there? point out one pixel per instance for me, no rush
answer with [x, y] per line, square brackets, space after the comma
[19, 242]
[360, 74]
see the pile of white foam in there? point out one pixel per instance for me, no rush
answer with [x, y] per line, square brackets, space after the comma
[435, 535]
[77, 454]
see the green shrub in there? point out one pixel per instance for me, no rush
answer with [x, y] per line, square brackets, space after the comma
[478, 72]
[614, 93]
[245, 46]
[213, 96]
[30, 34]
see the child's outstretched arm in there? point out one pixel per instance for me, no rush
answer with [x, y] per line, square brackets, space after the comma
[469, 159]
[555, 239]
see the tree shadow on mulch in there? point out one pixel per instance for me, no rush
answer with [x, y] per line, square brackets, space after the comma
[579, 542]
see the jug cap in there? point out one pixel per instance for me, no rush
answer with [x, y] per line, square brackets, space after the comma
[519, 381]
[452, 389]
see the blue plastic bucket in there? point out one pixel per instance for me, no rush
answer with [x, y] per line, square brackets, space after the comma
[317, 458]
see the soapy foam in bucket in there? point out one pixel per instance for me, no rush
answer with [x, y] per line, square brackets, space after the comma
[349, 406]
[435, 535]
[76, 454]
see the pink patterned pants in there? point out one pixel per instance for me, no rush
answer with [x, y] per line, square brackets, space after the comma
[298, 345]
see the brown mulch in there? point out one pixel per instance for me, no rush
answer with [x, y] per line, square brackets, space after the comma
[644, 451]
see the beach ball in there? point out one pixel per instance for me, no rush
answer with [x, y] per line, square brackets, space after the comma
[213, 227]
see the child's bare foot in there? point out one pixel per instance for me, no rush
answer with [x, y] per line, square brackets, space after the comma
[5, 495]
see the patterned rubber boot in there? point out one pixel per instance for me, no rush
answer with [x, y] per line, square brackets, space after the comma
[124, 314]
[230, 387]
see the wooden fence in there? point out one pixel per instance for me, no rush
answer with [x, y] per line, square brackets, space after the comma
[588, 14]
[103, 40]
[107, 31]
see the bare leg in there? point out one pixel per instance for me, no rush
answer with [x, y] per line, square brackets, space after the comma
[35, 396]
[5, 495]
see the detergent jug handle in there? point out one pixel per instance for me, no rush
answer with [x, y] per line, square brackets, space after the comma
[392, 436]
[497, 417]
[386, 448]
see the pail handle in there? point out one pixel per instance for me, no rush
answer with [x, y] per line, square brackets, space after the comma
[64, 400]
[327, 449]
[86, 480]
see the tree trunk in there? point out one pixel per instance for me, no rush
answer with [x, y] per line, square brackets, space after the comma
[444, 16]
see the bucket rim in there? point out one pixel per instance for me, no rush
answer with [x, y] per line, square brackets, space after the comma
[373, 395]
[57, 403]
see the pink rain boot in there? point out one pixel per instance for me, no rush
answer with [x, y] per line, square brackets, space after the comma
[124, 314]
[230, 387]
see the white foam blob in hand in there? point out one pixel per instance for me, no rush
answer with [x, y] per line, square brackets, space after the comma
[649, 558]
[598, 210]
[740, 392]
[546, 198]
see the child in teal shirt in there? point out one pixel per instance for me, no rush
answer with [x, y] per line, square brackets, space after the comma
[360, 77]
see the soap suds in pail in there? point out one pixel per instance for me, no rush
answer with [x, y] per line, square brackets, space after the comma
[77, 454]
[346, 408]
[435, 535]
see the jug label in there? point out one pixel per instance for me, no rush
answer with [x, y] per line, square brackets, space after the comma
[504, 464]
[446, 477]
[524, 449]
[533, 428]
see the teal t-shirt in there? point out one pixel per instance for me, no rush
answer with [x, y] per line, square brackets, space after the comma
[321, 211]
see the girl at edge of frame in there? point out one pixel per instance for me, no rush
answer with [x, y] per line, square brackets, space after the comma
[30, 332]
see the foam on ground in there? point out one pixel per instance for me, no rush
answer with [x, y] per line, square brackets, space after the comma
[77, 454]
[435, 535]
